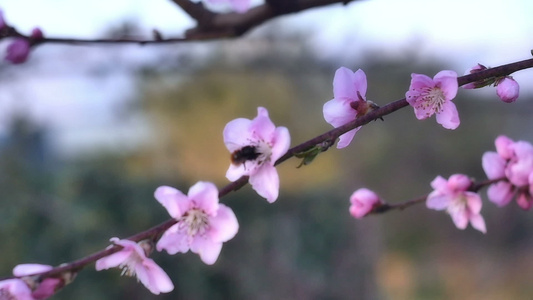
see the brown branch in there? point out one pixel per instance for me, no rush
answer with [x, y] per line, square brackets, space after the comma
[210, 25]
[330, 137]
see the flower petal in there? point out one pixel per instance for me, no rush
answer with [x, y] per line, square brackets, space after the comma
[173, 200]
[346, 138]
[493, 165]
[478, 222]
[281, 142]
[236, 134]
[460, 218]
[224, 226]
[207, 249]
[338, 113]
[205, 196]
[153, 277]
[235, 172]
[448, 117]
[173, 241]
[112, 260]
[346, 84]
[447, 81]
[500, 193]
[28, 269]
[266, 182]
[437, 201]
[262, 127]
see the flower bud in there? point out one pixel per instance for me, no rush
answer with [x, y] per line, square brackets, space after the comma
[507, 89]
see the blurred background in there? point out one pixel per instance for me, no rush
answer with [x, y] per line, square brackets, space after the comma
[87, 133]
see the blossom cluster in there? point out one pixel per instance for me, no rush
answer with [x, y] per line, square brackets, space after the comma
[201, 224]
[512, 166]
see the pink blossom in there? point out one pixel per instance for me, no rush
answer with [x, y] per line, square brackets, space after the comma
[363, 201]
[462, 205]
[507, 89]
[21, 288]
[203, 223]
[434, 96]
[132, 260]
[240, 6]
[43, 289]
[15, 289]
[348, 103]
[520, 165]
[255, 146]
[513, 163]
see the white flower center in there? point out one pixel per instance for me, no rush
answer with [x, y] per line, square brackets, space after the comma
[432, 99]
[265, 151]
[195, 221]
[128, 266]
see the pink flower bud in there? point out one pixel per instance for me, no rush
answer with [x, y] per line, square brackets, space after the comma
[474, 69]
[36, 33]
[18, 51]
[508, 89]
[363, 202]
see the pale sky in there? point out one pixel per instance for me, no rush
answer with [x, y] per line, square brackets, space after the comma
[463, 32]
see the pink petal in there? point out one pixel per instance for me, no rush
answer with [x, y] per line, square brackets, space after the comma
[236, 134]
[459, 182]
[493, 165]
[235, 172]
[281, 142]
[346, 84]
[447, 81]
[266, 182]
[525, 201]
[129, 247]
[460, 218]
[205, 196]
[346, 139]
[28, 269]
[440, 184]
[500, 193]
[113, 260]
[47, 288]
[173, 241]
[437, 201]
[173, 200]
[473, 201]
[207, 249]
[338, 113]
[448, 117]
[262, 127]
[240, 6]
[478, 222]
[224, 226]
[419, 81]
[504, 147]
[153, 277]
